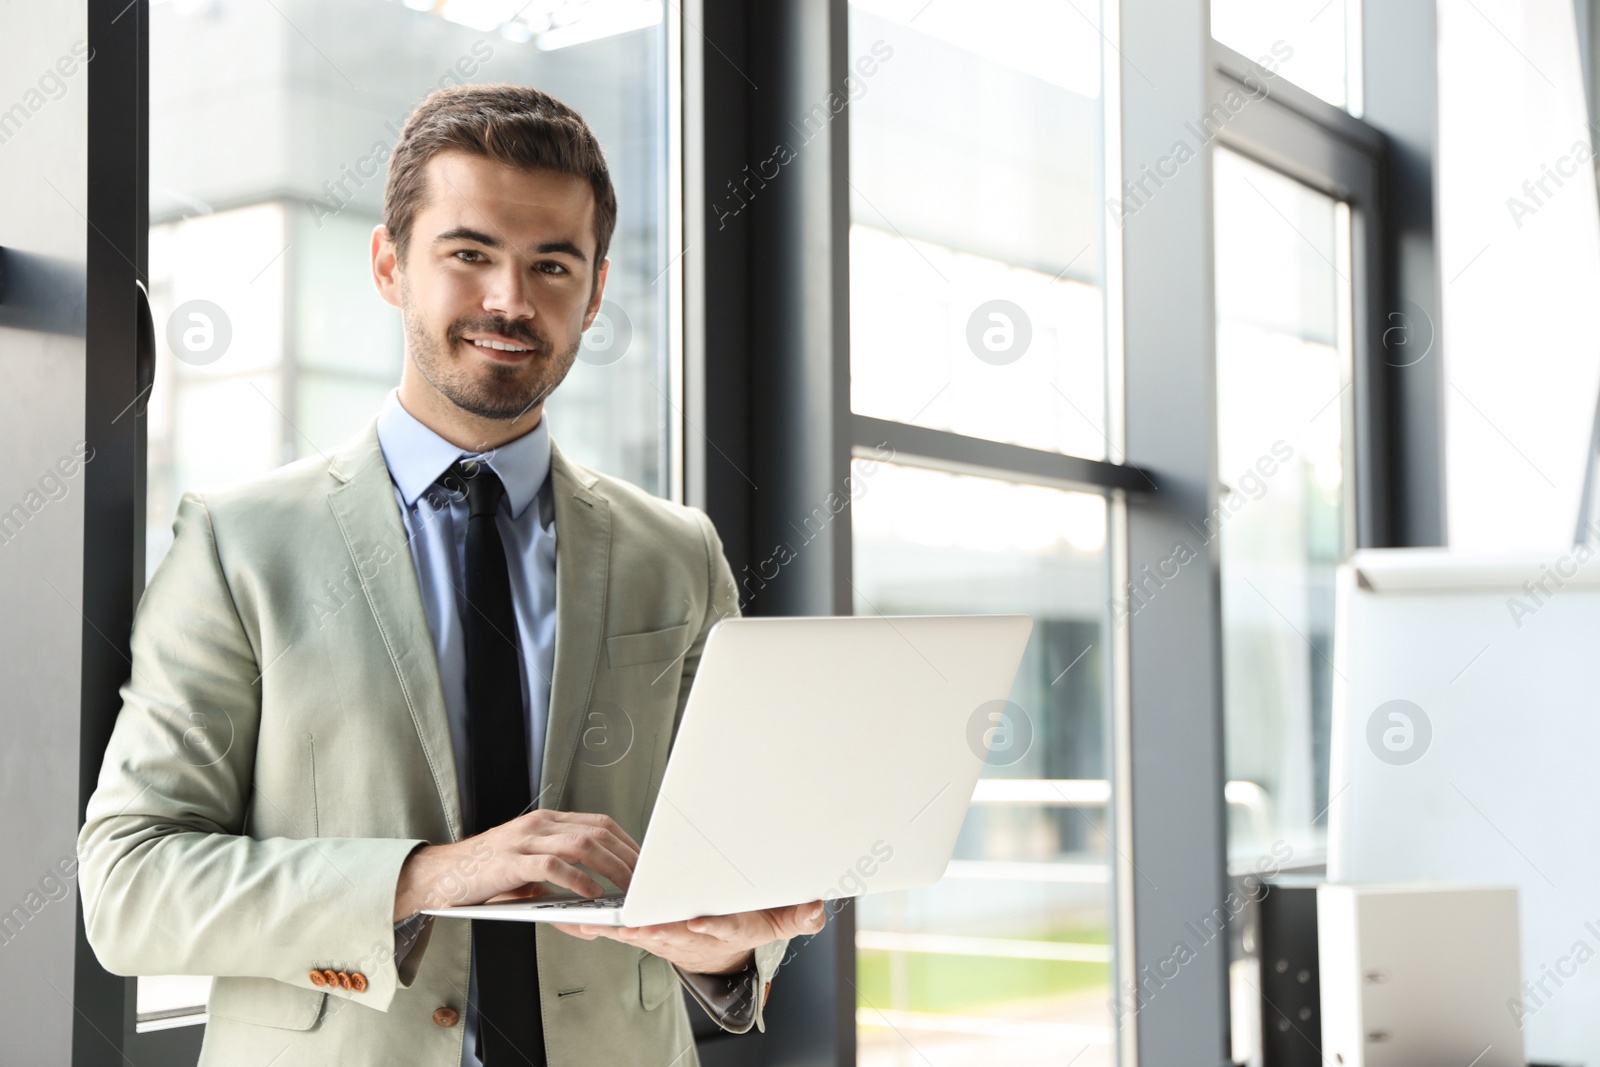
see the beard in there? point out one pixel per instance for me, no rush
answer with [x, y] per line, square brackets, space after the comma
[500, 391]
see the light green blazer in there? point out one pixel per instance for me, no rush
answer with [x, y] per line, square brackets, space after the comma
[283, 745]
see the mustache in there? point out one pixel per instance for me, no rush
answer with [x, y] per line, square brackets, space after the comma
[520, 332]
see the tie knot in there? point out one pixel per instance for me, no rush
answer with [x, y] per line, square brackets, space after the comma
[475, 480]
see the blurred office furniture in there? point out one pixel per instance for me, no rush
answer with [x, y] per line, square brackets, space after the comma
[1418, 975]
[1463, 750]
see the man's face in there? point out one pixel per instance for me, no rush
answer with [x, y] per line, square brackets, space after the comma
[498, 282]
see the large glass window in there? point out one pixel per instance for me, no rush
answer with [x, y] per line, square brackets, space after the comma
[978, 307]
[270, 125]
[1284, 521]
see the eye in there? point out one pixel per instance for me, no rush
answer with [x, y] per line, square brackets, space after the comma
[550, 266]
[469, 255]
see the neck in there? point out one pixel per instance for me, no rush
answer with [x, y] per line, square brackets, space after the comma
[468, 432]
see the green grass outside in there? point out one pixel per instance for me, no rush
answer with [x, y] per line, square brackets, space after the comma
[961, 984]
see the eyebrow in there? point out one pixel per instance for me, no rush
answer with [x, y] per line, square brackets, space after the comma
[467, 233]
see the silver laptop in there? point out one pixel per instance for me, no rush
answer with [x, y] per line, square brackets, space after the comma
[818, 758]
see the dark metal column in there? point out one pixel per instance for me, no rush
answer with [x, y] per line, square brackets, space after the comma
[1400, 71]
[767, 375]
[121, 349]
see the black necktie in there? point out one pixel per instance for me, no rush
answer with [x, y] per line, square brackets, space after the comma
[510, 1027]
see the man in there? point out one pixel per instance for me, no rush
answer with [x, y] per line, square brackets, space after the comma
[387, 679]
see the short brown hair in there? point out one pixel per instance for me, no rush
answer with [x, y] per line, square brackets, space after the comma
[512, 124]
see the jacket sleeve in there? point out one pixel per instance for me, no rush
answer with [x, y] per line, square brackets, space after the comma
[729, 1004]
[171, 883]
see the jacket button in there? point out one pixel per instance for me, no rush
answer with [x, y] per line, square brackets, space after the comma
[317, 979]
[446, 1017]
[344, 980]
[358, 981]
[332, 978]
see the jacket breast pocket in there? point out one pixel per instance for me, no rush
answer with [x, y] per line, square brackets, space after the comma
[265, 1002]
[627, 650]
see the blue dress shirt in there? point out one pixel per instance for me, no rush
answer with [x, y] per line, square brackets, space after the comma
[436, 528]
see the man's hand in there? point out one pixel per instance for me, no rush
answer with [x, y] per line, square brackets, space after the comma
[715, 944]
[518, 859]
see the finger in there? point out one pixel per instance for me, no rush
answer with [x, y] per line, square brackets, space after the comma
[675, 934]
[595, 849]
[604, 822]
[543, 867]
[661, 929]
[526, 892]
[799, 920]
[757, 927]
[722, 927]
[613, 840]
[576, 930]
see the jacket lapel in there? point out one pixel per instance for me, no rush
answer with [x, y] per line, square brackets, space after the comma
[583, 568]
[364, 505]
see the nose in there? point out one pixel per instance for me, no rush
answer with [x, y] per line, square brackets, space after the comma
[507, 291]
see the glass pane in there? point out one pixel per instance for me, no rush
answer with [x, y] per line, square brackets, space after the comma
[977, 221]
[1284, 524]
[270, 126]
[1283, 521]
[1313, 43]
[1007, 960]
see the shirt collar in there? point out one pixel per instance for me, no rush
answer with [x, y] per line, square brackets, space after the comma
[416, 456]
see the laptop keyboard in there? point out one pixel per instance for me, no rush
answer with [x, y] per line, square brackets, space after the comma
[597, 902]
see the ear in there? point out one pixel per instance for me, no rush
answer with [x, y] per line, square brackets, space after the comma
[385, 265]
[599, 295]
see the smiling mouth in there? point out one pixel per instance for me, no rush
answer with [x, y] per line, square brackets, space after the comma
[497, 346]
[500, 350]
